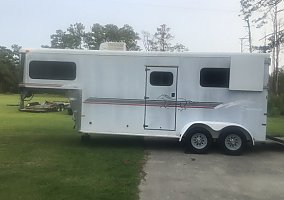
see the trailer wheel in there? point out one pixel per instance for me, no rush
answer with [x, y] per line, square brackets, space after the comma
[199, 141]
[232, 143]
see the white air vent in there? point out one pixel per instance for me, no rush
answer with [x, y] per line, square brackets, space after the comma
[113, 46]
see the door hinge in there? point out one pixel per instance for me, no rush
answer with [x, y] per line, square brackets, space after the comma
[145, 126]
[146, 97]
[147, 69]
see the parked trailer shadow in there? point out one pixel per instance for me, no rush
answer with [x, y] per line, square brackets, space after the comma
[167, 144]
[268, 147]
[114, 141]
[147, 143]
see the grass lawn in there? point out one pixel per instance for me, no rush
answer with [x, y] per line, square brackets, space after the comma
[42, 157]
[275, 126]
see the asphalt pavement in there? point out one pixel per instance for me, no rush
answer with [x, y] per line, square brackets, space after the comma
[172, 174]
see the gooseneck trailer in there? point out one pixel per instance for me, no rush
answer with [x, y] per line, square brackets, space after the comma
[193, 97]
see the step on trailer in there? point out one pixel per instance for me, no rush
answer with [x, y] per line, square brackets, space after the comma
[197, 98]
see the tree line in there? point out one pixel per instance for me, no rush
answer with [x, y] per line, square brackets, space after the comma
[10, 72]
[76, 37]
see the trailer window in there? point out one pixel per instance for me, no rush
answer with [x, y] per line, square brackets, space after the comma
[54, 70]
[161, 78]
[215, 77]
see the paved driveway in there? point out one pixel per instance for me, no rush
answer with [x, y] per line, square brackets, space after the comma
[171, 174]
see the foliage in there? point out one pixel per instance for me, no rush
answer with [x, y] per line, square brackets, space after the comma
[275, 105]
[163, 38]
[264, 7]
[72, 38]
[276, 102]
[111, 33]
[160, 41]
[178, 48]
[281, 81]
[262, 11]
[275, 126]
[75, 37]
[10, 72]
[94, 38]
[130, 37]
[42, 157]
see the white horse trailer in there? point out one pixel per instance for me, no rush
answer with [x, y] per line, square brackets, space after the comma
[193, 97]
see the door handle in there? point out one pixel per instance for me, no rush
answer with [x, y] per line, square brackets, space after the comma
[173, 94]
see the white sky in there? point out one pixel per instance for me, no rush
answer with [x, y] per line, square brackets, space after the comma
[201, 25]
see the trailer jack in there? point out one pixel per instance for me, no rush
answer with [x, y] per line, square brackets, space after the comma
[25, 94]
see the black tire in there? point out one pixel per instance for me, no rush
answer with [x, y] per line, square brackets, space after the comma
[232, 142]
[198, 141]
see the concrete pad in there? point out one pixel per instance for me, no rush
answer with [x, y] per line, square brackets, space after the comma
[172, 174]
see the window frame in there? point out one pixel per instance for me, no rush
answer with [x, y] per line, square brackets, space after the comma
[224, 83]
[35, 66]
[168, 84]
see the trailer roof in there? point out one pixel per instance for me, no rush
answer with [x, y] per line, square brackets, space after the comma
[138, 53]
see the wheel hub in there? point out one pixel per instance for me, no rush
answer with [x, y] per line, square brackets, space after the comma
[233, 142]
[199, 141]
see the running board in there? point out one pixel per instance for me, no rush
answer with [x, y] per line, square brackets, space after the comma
[280, 141]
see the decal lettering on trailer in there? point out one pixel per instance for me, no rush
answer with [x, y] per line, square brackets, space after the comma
[158, 103]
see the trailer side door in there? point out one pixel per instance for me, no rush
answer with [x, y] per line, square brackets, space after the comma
[160, 98]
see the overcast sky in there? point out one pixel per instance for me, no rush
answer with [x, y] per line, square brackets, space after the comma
[202, 25]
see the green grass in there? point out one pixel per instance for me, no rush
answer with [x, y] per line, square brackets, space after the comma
[42, 157]
[275, 126]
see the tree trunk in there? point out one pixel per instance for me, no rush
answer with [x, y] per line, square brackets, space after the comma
[249, 32]
[276, 49]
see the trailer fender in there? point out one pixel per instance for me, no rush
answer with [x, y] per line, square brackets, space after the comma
[215, 127]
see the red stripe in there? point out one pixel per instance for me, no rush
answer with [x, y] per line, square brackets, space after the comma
[123, 104]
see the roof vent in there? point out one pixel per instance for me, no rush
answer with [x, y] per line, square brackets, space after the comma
[113, 46]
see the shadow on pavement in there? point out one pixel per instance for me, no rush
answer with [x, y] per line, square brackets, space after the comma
[169, 144]
[268, 147]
